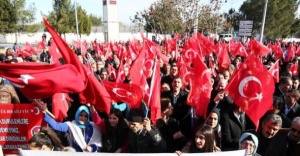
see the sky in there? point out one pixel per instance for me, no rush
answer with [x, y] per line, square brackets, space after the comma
[126, 8]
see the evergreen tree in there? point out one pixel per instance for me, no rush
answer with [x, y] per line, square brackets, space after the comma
[59, 18]
[8, 19]
[279, 18]
[96, 21]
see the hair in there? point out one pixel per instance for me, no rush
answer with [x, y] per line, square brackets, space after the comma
[274, 119]
[47, 137]
[208, 132]
[164, 104]
[296, 120]
[295, 93]
[285, 80]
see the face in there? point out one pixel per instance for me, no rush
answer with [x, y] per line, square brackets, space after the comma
[248, 145]
[103, 75]
[226, 74]
[135, 126]
[287, 86]
[80, 58]
[212, 120]
[32, 146]
[199, 140]
[94, 67]
[269, 129]
[295, 84]
[295, 131]
[289, 99]
[174, 71]
[176, 84]
[221, 85]
[83, 117]
[113, 120]
[169, 110]
[100, 65]
[165, 87]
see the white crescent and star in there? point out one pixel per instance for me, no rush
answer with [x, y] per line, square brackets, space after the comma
[244, 82]
[36, 110]
[151, 64]
[25, 78]
[186, 74]
[188, 56]
[116, 91]
[274, 71]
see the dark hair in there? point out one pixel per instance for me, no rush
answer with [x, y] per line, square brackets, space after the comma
[285, 80]
[208, 132]
[164, 103]
[46, 137]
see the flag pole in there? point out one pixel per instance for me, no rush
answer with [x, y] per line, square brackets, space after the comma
[263, 22]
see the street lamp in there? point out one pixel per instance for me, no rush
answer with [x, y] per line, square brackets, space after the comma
[76, 20]
[263, 22]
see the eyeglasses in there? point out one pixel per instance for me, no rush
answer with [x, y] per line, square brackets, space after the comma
[295, 130]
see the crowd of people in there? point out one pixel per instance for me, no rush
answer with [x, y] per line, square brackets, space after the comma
[226, 128]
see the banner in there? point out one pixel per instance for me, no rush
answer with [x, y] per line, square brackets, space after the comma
[18, 123]
[51, 153]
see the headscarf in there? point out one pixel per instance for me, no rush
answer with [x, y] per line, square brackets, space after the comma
[79, 110]
[249, 136]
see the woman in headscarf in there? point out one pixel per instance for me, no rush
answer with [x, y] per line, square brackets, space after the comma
[249, 142]
[213, 121]
[83, 135]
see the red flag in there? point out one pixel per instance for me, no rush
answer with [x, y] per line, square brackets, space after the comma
[60, 106]
[223, 58]
[274, 71]
[131, 94]
[21, 52]
[154, 101]
[94, 93]
[252, 88]
[201, 86]
[240, 50]
[136, 70]
[41, 81]
[294, 69]
[258, 48]
[278, 50]
[54, 52]
[290, 53]
[29, 48]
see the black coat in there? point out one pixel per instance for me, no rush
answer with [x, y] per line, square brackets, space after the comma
[146, 142]
[232, 130]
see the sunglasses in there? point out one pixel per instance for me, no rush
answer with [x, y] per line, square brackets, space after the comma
[295, 130]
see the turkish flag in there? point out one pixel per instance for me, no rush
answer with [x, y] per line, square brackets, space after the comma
[240, 50]
[29, 48]
[54, 52]
[278, 50]
[154, 100]
[258, 48]
[60, 106]
[201, 87]
[21, 52]
[131, 94]
[290, 54]
[38, 81]
[223, 58]
[94, 92]
[274, 71]
[294, 69]
[251, 88]
[136, 69]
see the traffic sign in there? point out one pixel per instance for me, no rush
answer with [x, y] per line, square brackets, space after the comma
[245, 28]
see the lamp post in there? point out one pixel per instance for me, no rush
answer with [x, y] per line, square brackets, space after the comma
[263, 22]
[76, 20]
